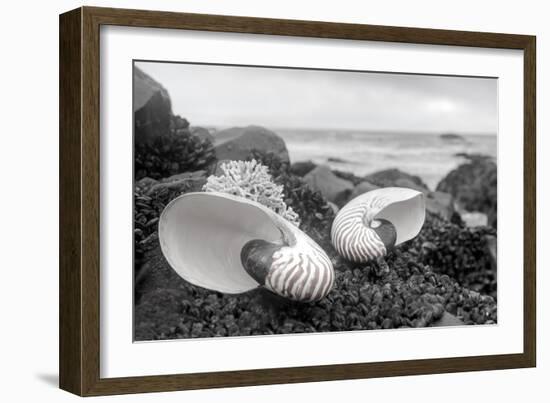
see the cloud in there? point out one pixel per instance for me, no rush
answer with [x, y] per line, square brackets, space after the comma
[298, 98]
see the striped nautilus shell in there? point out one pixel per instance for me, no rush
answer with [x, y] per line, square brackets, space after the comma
[232, 245]
[373, 223]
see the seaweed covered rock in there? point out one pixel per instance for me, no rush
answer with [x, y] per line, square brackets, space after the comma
[177, 184]
[474, 186]
[446, 269]
[158, 314]
[237, 143]
[150, 198]
[333, 188]
[172, 153]
[399, 291]
[391, 293]
[459, 252]
[471, 307]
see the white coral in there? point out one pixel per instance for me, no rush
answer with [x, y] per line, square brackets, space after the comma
[251, 180]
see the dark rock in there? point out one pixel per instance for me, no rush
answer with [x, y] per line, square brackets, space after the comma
[410, 184]
[440, 203]
[337, 160]
[447, 320]
[179, 183]
[315, 213]
[272, 161]
[163, 144]
[238, 142]
[474, 218]
[152, 108]
[361, 188]
[395, 177]
[302, 168]
[452, 137]
[202, 133]
[491, 242]
[474, 186]
[179, 123]
[333, 188]
[475, 156]
[356, 180]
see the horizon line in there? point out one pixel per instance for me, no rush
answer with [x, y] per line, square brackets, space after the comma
[370, 131]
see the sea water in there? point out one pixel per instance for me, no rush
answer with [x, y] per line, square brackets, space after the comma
[430, 156]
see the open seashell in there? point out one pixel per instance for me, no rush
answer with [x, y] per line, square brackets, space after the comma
[373, 223]
[231, 244]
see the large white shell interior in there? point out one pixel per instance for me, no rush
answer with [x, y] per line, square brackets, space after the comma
[202, 235]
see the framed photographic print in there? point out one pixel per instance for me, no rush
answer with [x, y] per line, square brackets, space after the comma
[249, 201]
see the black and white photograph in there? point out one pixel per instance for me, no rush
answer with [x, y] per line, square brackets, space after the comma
[275, 200]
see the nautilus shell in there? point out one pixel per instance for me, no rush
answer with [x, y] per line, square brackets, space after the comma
[371, 224]
[231, 244]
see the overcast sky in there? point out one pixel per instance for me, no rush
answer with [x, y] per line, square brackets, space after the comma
[289, 98]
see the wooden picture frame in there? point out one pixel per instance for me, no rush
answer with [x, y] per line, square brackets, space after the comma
[79, 279]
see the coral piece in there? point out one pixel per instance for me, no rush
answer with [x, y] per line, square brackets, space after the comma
[251, 180]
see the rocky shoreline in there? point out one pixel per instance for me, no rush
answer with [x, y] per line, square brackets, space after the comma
[450, 268]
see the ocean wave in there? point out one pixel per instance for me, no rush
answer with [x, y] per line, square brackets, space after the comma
[424, 155]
